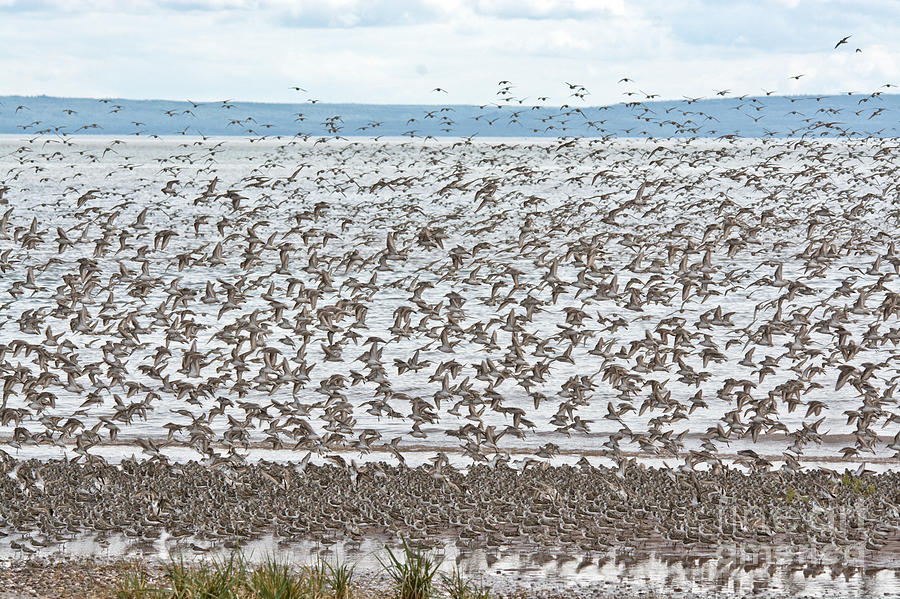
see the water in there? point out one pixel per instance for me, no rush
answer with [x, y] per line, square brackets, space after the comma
[729, 572]
[857, 115]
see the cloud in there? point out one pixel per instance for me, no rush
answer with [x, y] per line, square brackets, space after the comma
[398, 51]
[548, 9]
[338, 13]
[355, 13]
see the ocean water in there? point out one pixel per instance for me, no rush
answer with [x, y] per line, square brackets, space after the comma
[857, 115]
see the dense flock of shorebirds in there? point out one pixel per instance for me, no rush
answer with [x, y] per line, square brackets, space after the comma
[218, 340]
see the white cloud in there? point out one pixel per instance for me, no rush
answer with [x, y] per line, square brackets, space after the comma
[398, 51]
[549, 9]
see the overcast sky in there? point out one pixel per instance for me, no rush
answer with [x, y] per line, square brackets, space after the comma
[397, 51]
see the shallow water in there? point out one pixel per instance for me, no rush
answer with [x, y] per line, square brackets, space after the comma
[723, 572]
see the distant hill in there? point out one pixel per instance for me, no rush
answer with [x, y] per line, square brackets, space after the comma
[780, 116]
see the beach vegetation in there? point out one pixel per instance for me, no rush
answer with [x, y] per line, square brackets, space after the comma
[457, 586]
[412, 572]
[236, 578]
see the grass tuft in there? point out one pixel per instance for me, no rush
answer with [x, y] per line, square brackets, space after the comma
[219, 579]
[135, 584]
[458, 587]
[414, 576]
[275, 580]
[315, 579]
[340, 579]
[234, 578]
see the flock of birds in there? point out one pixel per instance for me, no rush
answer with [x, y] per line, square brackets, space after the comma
[578, 513]
[704, 303]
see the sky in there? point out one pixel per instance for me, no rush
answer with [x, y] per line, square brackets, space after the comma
[398, 51]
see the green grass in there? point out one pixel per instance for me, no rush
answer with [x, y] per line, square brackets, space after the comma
[858, 485]
[458, 587]
[413, 570]
[219, 579]
[792, 495]
[235, 578]
[135, 584]
[315, 579]
[413, 577]
[275, 580]
[340, 580]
